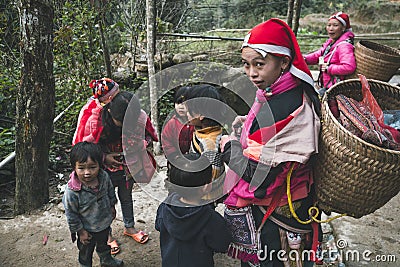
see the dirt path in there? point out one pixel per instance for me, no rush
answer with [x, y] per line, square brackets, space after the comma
[22, 236]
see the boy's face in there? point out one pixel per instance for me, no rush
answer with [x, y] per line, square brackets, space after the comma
[87, 171]
[181, 109]
[194, 119]
[116, 122]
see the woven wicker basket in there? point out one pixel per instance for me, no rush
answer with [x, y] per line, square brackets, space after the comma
[376, 61]
[353, 176]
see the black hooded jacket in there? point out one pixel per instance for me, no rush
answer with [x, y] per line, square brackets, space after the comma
[189, 235]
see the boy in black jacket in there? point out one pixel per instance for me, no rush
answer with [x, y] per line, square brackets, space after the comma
[190, 229]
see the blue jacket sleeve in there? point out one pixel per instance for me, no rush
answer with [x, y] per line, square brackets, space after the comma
[71, 205]
[219, 236]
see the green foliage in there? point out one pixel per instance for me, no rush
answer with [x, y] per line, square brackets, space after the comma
[325, 7]
[9, 74]
[78, 53]
[205, 15]
[165, 106]
[7, 140]
[77, 60]
[9, 57]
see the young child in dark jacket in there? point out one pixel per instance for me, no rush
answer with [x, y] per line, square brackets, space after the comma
[191, 231]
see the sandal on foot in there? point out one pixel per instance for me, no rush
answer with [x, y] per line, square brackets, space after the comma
[114, 247]
[140, 237]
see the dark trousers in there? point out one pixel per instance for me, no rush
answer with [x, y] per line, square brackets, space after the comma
[124, 192]
[98, 241]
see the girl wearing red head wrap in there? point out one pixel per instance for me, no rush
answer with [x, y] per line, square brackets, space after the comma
[279, 135]
[336, 57]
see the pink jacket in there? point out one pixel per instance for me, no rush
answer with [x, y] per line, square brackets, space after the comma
[89, 124]
[340, 58]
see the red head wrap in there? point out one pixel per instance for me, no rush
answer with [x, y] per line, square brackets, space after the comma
[342, 18]
[275, 36]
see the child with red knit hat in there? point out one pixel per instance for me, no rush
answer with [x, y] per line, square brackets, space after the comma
[279, 136]
[89, 120]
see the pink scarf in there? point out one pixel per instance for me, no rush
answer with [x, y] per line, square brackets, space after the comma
[74, 183]
[283, 84]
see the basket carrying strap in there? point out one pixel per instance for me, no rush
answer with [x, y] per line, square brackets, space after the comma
[313, 211]
[277, 198]
[334, 49]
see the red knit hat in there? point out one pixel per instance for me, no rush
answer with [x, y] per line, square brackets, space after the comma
[275, 36]
[104, 89]
[342, 18]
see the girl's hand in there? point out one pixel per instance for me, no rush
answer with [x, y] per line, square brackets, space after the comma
[84, 236]
[111, 161]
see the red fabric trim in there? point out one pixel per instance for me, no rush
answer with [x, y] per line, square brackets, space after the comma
[315, 242]
[263, 135]
[299, 193]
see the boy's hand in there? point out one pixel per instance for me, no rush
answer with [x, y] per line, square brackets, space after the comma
[225, 139]
[84, 236]
[238, 122]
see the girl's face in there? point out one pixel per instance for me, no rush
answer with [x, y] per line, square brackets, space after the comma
[335, 29]
[88, 171]
[262, 71]
[181, 110]
[116, 122]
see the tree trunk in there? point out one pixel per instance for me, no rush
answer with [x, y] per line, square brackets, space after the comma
[290, 13]
[296, 18]
[151, 21]
[35, 105]
[106, 53]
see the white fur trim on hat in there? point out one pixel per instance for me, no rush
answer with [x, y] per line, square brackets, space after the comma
[339, 18]
[263, 49]
[301, 75]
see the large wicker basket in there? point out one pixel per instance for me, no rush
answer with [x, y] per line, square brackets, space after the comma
[376, 61]
[353, 176]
